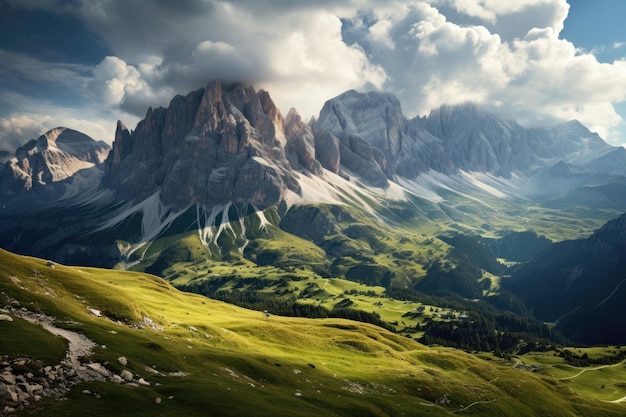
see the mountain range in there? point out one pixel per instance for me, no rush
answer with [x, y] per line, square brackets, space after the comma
[234, 142]
[220, 186]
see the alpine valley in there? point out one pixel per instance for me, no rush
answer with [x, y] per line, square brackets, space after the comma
[467, 252]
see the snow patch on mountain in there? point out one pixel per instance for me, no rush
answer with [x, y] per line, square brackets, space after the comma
[206, 220]
[421, 189]
[264, 223]
[315, 190]
[478, 180]
[155, 218]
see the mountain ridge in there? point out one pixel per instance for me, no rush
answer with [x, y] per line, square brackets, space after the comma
[212, 146]
[236, 145]
[60, 163]
[227, 147]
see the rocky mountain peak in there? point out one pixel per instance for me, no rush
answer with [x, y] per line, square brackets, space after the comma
[53, 134]
[375, 117]
[219, 144]
[300, 144]
[376, 141]
[54, 158]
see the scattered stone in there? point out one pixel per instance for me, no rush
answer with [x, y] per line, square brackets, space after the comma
[157, 400]
[192, 329]
[298, 394]
[33, 389]
[18, 391]
[94, 312]
[5, 317]
[150, 323]
[122, 360]
[97, 367]
[8, 377]
[297, 371]
[116, 379]
[12, 391]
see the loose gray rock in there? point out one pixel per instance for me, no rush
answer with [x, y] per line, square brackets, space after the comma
[126, 376]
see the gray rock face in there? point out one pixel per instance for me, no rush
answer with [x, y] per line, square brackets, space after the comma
[61, 162]
[377, 142]
[214, 146]
[473, 140]
[478, 141]
[370, 128]
[224, 144]
[327, 151]
[300, 147]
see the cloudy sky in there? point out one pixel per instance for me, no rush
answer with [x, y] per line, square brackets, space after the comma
[87, 63]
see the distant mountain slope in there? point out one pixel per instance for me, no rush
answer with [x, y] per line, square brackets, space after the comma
[208, 146]
[579, 284]
[461, 137]
[60, 163]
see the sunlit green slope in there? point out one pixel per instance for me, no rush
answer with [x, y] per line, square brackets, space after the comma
[214, 359]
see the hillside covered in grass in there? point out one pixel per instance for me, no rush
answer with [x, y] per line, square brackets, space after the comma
[162, 352]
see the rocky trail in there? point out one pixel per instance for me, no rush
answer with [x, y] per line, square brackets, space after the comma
[24, 380]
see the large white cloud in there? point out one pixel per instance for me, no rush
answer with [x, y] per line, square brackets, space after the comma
[534, 77]
[300, 58]
[16, 129]
[19, 128]
[504, 55]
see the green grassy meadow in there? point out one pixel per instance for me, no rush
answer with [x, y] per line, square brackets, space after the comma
[215, 359]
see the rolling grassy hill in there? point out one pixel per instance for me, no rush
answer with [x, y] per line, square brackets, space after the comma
[205, 357]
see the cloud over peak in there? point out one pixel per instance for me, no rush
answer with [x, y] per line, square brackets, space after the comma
[506, 56]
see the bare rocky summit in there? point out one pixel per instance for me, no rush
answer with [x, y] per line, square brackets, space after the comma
[59, 163]
[216, 145]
